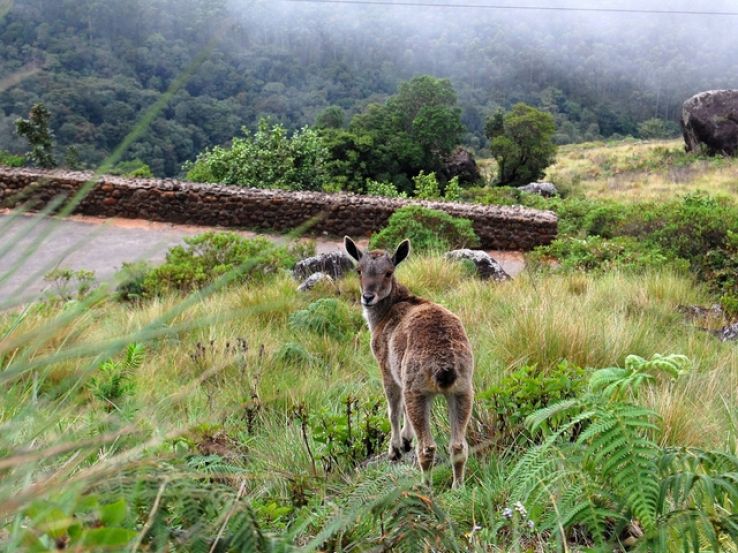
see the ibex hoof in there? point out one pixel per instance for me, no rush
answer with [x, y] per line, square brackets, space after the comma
[407, 444]
[394, 453]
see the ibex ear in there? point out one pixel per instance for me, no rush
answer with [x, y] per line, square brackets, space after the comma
[402, 251]
[352, 249]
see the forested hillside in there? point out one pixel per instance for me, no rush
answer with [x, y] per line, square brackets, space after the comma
[97, 64]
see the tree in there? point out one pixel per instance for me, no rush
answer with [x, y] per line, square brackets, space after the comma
[331, 117]
[413, 131]
[522, 143]
[36, 131]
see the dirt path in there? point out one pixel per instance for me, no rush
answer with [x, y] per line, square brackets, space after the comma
[32, 245]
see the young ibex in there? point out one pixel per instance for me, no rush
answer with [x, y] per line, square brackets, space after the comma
[422, 351]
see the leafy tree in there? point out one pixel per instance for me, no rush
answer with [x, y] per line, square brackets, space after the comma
[657, 128]
[412, 132]
[36, 131]
[332, 117]
[522, 143]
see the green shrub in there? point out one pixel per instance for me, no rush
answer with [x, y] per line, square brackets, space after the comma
[525, 391]
[599, 254]
[327, 316]
[132, 281]
[206, 257]
[498, 195]
[426, 186]
[11, 160]
[134, 168]
[113, 379]
[427, 229]
[386, 189]
[350, 436]
[68, 284]
[269, 158]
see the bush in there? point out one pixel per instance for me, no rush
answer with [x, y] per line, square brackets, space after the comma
[327, 316]
[386, 189]
[11, 160]
[135, 168]
[427, 229]
[427, 187]
[208, 256]
[69, 284]
[267, 159]
[595, 253]
[132, 281]
[524, 392]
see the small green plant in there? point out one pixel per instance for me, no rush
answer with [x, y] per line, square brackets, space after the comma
[426, 186]
[134, 168]
[524, 392]
[427, 229]
[69, 284]
[206, 257]
[328, 316]
[453, 192]
[132, 281]
[79, 524]
[113, 379]
[355, 433]
[386, 189]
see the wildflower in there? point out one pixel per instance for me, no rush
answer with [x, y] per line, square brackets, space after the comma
[521, 509]
[507, 513]
[531, 524]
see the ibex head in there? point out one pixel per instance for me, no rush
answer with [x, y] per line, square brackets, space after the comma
[376, 269]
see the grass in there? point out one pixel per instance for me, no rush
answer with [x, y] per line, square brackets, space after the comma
[635, 170]
[631, 170]
[216, 385]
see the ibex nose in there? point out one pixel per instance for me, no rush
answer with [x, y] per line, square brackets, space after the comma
[366, 299]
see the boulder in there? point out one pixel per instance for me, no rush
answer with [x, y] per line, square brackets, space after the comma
[728, 333]
[545, 189]
[333, 264]
[711, 118]
[313, 280]
[487, 267]
[460, 163]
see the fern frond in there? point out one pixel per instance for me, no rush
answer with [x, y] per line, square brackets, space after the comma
[614, 443]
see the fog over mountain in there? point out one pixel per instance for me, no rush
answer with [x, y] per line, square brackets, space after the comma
[98, 63]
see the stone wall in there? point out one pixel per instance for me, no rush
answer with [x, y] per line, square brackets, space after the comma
[499, 227]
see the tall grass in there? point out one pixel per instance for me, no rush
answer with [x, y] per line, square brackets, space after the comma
[217, 402]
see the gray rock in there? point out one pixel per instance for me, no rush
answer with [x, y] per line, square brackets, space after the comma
[334, 264]
[711, 118]
[545, 189]
[460, 163]
[487, 267]
[728, 333]
[312, 281]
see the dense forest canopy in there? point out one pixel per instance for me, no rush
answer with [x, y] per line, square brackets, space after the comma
[98, 64]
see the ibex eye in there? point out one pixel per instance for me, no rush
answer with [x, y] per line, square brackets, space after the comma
[389, 274]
